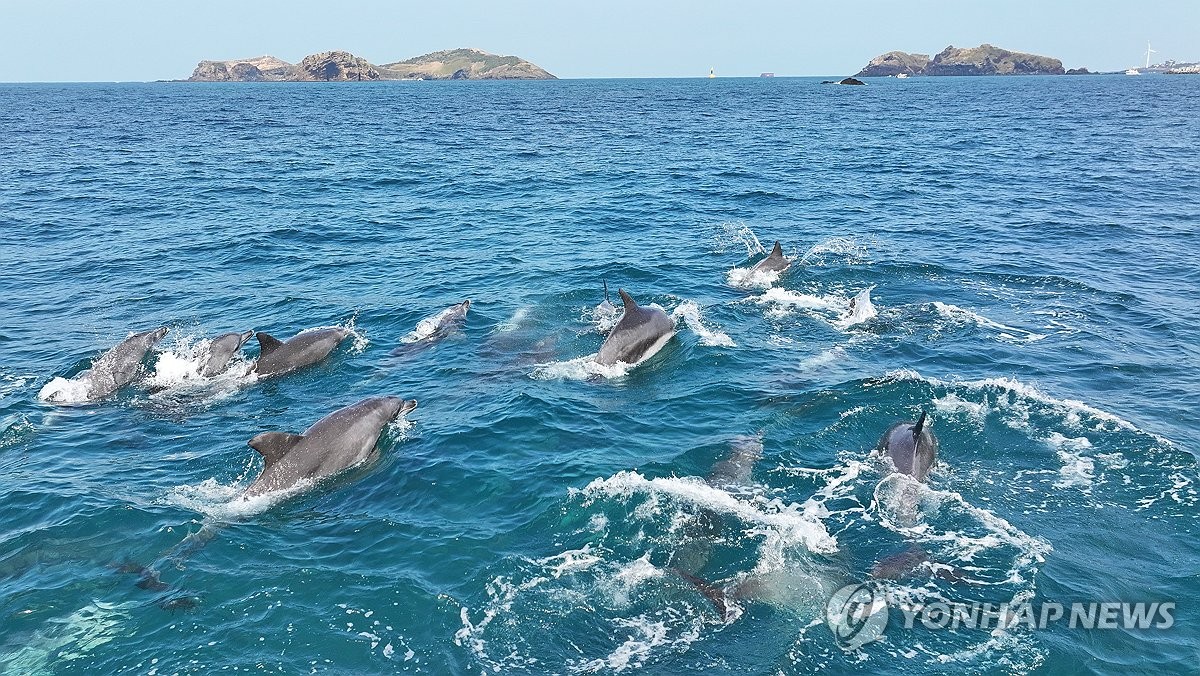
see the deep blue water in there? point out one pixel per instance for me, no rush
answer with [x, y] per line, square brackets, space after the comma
[1030, 245]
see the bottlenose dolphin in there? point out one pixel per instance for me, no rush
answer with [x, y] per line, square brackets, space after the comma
[605, 308]
[120, 365]
[911, 446]
[221, 350]
[638, 336]
[276, 357]
[435, 328]
[775, 262]
[340, 440]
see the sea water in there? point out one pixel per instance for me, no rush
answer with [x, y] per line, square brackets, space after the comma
[1028, 247]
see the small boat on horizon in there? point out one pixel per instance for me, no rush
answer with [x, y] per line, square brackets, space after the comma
[901, 76]
[1133, 71]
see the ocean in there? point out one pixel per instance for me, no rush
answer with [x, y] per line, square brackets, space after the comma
[1022, 251]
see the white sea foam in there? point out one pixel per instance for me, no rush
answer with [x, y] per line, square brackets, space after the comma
[580, 368]
[793, 522]
[65, 640]
[795, 299]
[689, 312]
[177, 370]
[749, 278]
[63, 391]
[602, 317]
[1078, 470]
[1012, 334]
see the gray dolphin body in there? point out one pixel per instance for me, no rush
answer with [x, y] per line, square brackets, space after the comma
[221, 350]
[121, 364]
[774, 262]
[911, 446]
[638, 336]
[276, 357]
[340, 440]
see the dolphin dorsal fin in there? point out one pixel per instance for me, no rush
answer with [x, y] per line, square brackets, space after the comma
[630, 303]
[916, 429]
[605, 282]
[776, 251]
[272, 446]
[267, 343]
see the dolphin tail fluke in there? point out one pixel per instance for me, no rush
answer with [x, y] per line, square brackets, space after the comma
[630, 303]
[710, 591]
[267, 343]
[916, 429]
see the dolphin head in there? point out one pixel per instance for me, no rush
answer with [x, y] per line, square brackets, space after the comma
[911, 446]
[464, 306]
[155, 335]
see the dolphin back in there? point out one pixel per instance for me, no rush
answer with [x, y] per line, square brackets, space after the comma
[911, 446]
[774, 262]
[640, 333]
[120, 365]
[299, 351]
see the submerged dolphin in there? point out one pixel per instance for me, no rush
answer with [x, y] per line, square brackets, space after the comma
[638, 336]
[221, 350]
[911, 446]
[120, 365]
[774, 262]
[340, 440]
[276, 357]
[435, 328]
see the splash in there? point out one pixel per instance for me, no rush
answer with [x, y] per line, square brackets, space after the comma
[63, 391]
[863, 310]
[749, 278]
[845, 250]
[603, 317]
[580, 368]
[177, 371]
[786, 300]
[427, 327]
[733, 235]
[689, 312]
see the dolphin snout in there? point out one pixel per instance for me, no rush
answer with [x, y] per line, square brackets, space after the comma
[158, 333]
[465, 305]
[407, 405]
[243, 337]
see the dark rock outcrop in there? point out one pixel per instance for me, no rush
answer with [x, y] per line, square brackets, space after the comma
[336, 66]
[852, 81]
[1079, 71]
[982, 60]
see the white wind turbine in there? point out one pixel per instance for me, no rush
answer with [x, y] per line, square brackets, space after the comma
[1149, 52]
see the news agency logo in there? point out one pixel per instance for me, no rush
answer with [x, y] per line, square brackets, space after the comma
[858, 614]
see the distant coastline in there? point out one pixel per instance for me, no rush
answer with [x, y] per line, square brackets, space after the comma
[340, 66]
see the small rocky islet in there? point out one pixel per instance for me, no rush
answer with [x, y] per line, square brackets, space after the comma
[340, 66]
[982, 60]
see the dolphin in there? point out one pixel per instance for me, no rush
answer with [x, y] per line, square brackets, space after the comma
[435, 328]
[605, 308]
[120, 365]
[911, 446]
[276, 357]
[221, 350]
[638, 336]
[774, 262]
[340, 440]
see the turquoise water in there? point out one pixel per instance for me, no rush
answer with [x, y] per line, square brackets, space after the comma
[1029, 245]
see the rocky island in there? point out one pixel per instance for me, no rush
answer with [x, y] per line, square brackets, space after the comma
[982, 60]
[337, 66]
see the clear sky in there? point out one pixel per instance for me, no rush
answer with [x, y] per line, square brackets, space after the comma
[85, 40]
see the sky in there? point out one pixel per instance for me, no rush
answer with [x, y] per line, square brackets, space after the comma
[123, 40]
